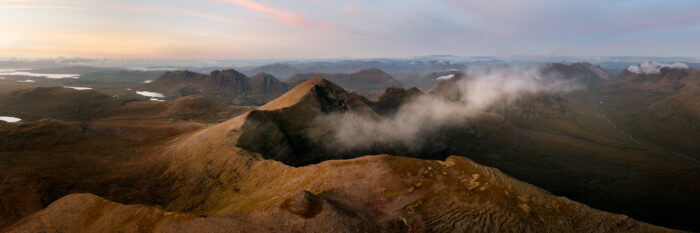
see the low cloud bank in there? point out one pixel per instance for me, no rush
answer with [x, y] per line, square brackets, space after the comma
[651, 67]
[479, 90]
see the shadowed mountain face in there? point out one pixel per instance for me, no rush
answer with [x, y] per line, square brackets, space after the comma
[227, 86]
[393, 98]
[298, 164]
[363, 80]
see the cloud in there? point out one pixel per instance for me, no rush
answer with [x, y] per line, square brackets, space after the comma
[651, 67]
[163, 11]
[286, 17]
[414, 120]
[35, 6]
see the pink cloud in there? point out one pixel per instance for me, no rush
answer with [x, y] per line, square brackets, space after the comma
[163, 11]
[286, 17]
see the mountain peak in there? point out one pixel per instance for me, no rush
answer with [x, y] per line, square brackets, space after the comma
[227, 73]
[300, 91]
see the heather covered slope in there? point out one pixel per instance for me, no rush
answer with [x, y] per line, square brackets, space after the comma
[56, 102]
[88, 105]
[367, 194]
[43, 160]
[657, 108]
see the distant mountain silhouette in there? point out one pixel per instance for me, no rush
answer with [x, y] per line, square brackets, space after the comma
[369, 79]
[228, 86]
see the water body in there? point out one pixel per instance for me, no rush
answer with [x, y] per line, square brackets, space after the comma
[446, 77]
[9, 119]
[150, 94]
[8, 72]
[79, 88]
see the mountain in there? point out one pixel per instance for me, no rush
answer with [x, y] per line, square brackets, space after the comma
[283, 71]
[110, 75]
[265, 86]
[369, 194]
[659, 108]
[279, 168]
[448, 88]
[392, 66]
[43, 160]
[281, 129]
[88, 105]
[228, 86]
[56, 102]
[75, 69]
[581, 72]
[536, 137]
[425, 81]
[394, 98]
[368, 79]
[204, 179]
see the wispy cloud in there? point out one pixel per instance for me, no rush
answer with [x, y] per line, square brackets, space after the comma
[39, 6]
[163, 11]
[286, 17]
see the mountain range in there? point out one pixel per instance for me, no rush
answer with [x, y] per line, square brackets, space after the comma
[313, 155]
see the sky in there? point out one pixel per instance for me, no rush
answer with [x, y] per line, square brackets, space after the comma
[296, 29]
